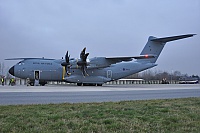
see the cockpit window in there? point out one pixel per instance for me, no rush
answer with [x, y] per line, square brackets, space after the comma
[21, 63]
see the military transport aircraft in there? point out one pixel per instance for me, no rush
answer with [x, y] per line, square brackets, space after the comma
[94, 71]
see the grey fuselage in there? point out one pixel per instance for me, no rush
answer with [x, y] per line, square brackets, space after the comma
[51, 70]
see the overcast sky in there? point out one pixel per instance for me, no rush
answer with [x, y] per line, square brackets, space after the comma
[48, 28]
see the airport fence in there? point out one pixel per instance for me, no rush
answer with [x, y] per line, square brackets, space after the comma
[117, 82]
[133, 81]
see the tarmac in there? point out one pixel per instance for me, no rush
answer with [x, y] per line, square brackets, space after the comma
[21, 94]
[74, 88]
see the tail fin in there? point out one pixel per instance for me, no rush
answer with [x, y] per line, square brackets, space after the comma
[155, 45]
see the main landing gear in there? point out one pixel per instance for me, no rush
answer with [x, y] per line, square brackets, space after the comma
[88, 84]
[32, 83]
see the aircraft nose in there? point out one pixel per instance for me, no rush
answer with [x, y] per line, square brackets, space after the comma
[11, 71]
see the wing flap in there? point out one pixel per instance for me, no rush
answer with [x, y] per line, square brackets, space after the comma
[131, 57]
[114, 60]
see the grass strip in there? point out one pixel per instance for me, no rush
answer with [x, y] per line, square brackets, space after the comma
[167, 115]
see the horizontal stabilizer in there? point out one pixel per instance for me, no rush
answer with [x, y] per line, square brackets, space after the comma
[172, 38]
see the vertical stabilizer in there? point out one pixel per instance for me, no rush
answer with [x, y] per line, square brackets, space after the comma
[155, 45]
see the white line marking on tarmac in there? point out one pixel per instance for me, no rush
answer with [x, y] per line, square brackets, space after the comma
[70, 88]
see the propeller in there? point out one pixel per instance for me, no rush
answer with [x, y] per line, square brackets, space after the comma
[66, 64]
[82, 62]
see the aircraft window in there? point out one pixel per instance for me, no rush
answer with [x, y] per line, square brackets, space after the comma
[21, 63]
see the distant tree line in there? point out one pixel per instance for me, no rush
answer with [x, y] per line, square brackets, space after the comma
[159, 75]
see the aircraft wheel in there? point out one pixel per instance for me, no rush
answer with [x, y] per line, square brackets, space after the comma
[32, 83]
[42, 84]
[85, 84]
[79, 84]
[99, 84]
[89, 84]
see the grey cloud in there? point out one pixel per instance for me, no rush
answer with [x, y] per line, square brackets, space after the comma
[107, 28]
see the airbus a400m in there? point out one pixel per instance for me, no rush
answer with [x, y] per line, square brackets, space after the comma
[94, 71]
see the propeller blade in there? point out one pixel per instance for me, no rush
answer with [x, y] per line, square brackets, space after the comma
[82, 53]
[66, 64]
[85, 57]
[83, 61]
[84, 72]
[67, 57]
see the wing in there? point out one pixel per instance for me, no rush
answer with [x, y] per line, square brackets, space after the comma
[102, 62]
[120, 59]
[27, 58]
